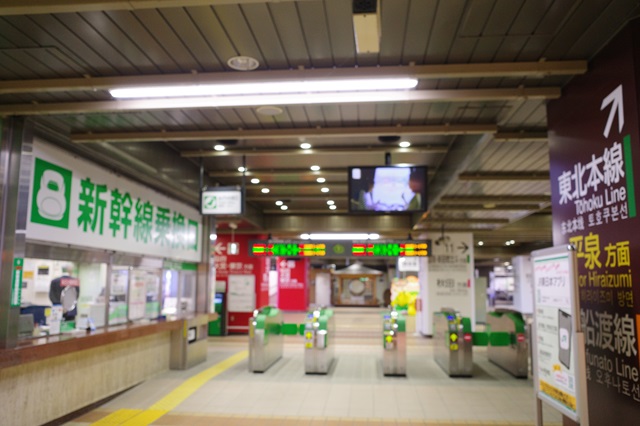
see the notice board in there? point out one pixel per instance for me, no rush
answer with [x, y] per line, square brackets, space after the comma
[558, 361]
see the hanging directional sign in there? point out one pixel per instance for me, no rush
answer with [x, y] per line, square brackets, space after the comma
[365, 249]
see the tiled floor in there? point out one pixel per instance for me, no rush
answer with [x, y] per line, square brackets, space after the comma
[355, 392]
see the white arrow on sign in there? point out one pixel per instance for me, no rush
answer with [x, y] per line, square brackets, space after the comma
[614, 98]
[219, 248]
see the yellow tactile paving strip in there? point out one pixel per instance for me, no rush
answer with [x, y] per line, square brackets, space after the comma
[240, 420]
[172, 400]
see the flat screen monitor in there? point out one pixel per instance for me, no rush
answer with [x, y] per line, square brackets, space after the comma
[387, 189]
[222, 200]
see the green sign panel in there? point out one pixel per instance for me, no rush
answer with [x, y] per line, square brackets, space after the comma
[16, 282]
[51, 197]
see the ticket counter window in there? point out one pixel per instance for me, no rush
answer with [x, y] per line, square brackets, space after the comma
[188, 293]
[76, 287]
[119, 281]
[179, 292]
[145, 284]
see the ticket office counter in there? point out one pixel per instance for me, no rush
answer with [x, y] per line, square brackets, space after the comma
[128, 312]
[106, 289]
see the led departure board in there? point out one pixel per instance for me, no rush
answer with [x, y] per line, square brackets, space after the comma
[370, 249]
[288, 249]
[390, 249]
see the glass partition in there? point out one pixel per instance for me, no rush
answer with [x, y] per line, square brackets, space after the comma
[118, 295]
[188, 293]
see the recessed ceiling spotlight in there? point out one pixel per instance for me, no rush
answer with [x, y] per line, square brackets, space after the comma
[243, 63]
[315, 168]
[330, 202]
[325, 189]
[480, 243]
[279, 203]
[269, 110]
[405, 144]
[321, 180]
[218, 147]
[255, 180]
[265, 190]
[283, 207]
[242, 169]
[507, 243]
[333, 207]
[305, 145]
[512, 242]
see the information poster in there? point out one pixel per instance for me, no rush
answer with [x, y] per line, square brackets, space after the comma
[554, 345]
[137, 295]
[449, 279]
[241, 293]
[594, 155]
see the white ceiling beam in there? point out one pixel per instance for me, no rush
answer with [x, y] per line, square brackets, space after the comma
[482, 70]
[504, 176]
[280, 173]
[341, 150]
[521, 136]
[114, 106]
[33, 7]
[495, 199]
[481, 207]
[315, 132]
[262, 173]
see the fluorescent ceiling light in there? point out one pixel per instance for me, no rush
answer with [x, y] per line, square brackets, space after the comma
[315, 168]
[325, 189]
[275, 99]
[279, 203]
[219, 147]
[340, 236]
[405, 144]
[242, 169]
[266, 88]
[321, 180]
[255, 180]
[330, 202]
[305, 145]
[332, 207]
[265, 190]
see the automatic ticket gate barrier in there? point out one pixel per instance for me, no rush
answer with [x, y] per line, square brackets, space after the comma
[454, 342]
[318, 331]
[513, 357]
[394, 355]
[265, 338]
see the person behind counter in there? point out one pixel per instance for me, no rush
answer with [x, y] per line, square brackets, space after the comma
[65, 291]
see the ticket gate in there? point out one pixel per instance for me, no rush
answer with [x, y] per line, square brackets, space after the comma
[394, 354]
[265, 338]
[453, 342]
[513, 357]
[318, 331]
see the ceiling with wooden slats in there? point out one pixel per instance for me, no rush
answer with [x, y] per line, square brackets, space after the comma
[477, 119]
